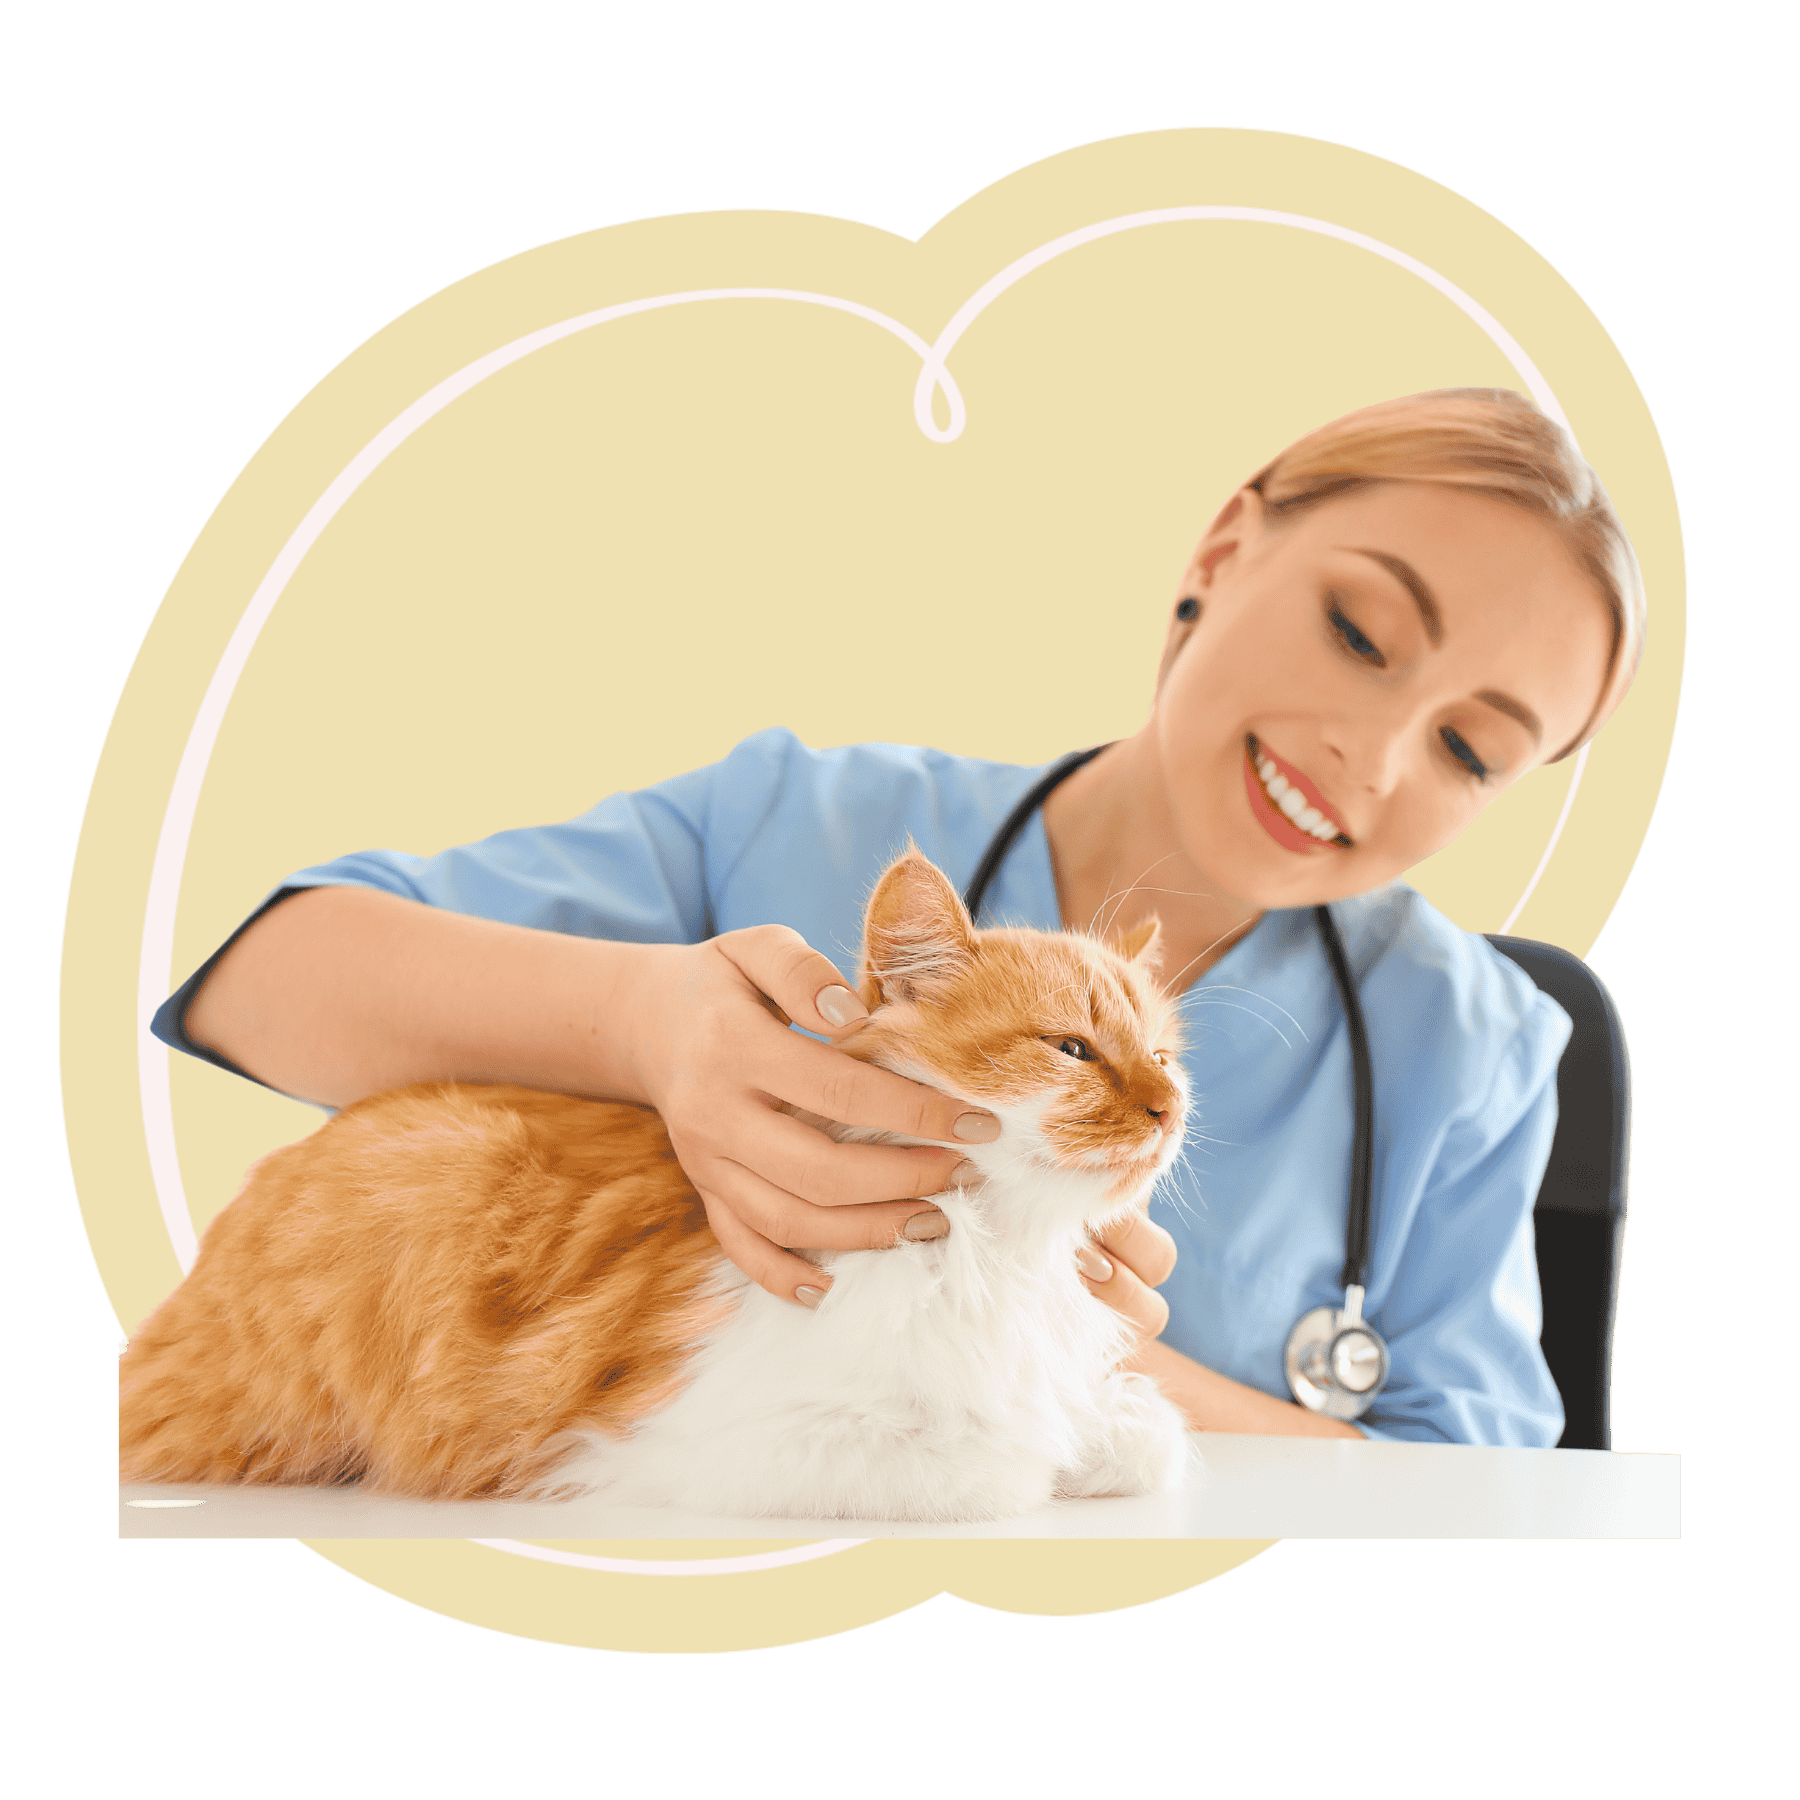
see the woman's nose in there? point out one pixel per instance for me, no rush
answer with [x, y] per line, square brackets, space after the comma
[1370, 752]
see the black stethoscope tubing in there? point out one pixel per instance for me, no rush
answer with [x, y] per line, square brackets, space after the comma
[1015, 822]
[1362, 1145]
[1362, 1075]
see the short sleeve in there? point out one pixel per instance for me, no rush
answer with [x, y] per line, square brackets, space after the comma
[634, 868]
[1462, 1312]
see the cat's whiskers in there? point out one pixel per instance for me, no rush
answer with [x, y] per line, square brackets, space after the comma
[1206, 1137]
[1238, 1006]
[1139, 887]
[1169, 1174]
[1177, 893]
[1173, 1195]
[1099, 930]
[1226, 987]
[1171, 982]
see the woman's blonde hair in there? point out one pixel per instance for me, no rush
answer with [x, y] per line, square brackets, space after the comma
[1495, 442]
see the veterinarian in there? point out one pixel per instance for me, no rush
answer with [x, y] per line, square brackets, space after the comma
[1402, 615]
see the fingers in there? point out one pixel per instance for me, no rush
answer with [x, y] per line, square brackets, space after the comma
[772, 1183]
[798, 984]
[837, 1087]
[1125, 1267]
[794, 978]
[1143, 1246]
[769, 1267]
[813, 1167]
[1113, 1281]
[753, 1220]
[795, 1224]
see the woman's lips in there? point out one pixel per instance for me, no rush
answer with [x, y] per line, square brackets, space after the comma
[1271, 817]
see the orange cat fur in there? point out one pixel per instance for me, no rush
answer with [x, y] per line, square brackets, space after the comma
[426, 1295]
[445, 1287]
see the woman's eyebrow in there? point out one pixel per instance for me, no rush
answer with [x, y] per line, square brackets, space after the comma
[1514, 709]
[1410, 579]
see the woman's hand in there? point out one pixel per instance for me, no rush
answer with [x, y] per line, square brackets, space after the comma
[338, 993]
[1126, 1266]
[710, 1051]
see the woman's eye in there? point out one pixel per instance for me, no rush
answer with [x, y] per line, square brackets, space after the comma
[1353, 640]
[1076, 1048]
[1459, 748]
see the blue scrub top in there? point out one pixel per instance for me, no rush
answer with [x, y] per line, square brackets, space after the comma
[1464, 1047]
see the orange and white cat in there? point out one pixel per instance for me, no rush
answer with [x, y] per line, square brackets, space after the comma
[462, 1291]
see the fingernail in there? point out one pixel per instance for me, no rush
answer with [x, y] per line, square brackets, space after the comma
[976, 1128]
[809, 1296]
[965, 1174]
[924, 1225]
[1093, 1265]
[840, 1006]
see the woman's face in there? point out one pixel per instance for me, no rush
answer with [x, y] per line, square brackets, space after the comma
[1363, 679]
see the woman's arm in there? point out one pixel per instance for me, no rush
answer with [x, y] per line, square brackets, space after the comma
[1215, 1402]
[341, 992]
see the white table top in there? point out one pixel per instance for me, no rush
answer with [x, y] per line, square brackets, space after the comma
[1244, 1487]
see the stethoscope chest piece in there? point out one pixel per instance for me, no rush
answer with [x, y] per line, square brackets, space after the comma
[1335, 1362]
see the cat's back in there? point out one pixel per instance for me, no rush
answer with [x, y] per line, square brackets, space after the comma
[427, 1293]
[442, 1171]
[473, 1151]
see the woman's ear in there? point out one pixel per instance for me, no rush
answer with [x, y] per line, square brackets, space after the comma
[1240, 516]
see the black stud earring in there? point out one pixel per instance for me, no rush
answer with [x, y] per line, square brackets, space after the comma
[1188, 611]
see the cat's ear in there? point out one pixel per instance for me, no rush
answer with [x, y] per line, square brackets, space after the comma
[1142, 943]
[917, 935]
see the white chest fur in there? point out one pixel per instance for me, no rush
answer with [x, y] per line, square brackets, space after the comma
[969, 1378]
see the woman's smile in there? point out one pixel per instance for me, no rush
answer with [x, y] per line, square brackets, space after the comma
[1404, 717]
[1287, 805]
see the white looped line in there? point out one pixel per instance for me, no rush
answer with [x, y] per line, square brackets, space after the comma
[157, 954]
[1556, 831]
[934, 373]
[714, 1565]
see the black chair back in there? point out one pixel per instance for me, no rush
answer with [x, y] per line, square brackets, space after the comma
[1580, 1213]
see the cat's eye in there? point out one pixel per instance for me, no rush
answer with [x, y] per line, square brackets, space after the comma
[1458, 747]
[1353, 639]
[1162, 1058]
[1075, 1047]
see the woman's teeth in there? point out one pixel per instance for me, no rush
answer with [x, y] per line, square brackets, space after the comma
[1290, 801]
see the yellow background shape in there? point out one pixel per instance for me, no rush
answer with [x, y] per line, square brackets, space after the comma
[614, 559]
[754, 1609]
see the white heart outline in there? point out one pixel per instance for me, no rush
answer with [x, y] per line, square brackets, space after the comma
[157, 946]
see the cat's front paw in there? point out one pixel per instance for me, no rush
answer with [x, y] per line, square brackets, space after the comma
[1142, 1448]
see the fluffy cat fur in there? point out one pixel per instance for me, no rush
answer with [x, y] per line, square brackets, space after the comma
[458, 1291]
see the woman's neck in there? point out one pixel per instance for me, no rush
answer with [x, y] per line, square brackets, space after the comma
[1117, 857]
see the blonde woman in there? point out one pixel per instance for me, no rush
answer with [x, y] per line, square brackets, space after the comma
[1403, 614]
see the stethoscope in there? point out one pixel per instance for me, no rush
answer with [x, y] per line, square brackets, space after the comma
[1335, 1360]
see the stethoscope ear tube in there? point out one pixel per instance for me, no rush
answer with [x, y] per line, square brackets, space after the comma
[1362, 1144]
[1336, 1363]
[1014, 822]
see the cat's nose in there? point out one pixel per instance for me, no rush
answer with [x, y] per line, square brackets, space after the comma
[1165, 1120]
